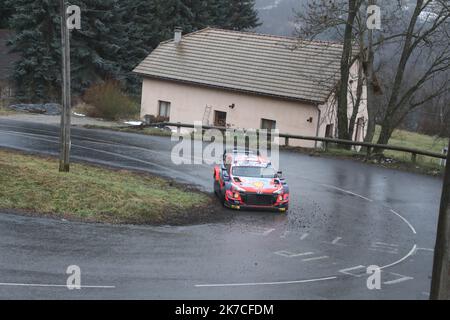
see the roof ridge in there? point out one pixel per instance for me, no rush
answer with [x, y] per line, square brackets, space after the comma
[239, 60]
[270, 35]
[254, 33]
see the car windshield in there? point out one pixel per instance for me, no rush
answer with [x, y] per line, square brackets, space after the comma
[254, 172]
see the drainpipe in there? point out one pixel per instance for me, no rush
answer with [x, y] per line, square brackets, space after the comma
[318, 125]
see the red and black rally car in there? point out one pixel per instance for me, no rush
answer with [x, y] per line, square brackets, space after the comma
[247, 180]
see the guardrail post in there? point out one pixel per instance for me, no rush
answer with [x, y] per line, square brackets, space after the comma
[444, 152]
[368, 153]
[413, 157]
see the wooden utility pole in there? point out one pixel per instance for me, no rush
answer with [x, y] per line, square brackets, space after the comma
[440, 279]
[64, 159]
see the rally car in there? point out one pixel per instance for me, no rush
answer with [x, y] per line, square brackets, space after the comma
[248, 180]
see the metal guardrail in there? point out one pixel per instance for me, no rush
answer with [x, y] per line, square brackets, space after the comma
[370, 146]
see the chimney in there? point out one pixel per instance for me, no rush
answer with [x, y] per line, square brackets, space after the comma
[177, 35]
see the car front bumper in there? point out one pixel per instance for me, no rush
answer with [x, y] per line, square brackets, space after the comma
[281, 206]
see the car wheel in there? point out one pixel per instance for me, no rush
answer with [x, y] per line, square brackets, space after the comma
[216, 188]
[285, 211]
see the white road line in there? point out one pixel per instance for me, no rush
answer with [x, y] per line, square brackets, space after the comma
[347, 191]
[384, 250]
[384, 247]
[288, 254]
[107, 152]
[386, 244]
[262, 231]
[402, 259]
[315, 258]
[263, 283]
[49, 285]
[406, 221]
[400, 279]
[425, 249]
[303, 237]
[336, 240]
[284, 235]
[265, 233]
[346, 271]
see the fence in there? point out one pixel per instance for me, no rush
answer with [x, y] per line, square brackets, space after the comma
[326, 141]
[444, 161]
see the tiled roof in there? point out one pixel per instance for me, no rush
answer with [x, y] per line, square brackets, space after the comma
[249, 62]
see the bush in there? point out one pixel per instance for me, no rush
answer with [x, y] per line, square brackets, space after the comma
[109, 102]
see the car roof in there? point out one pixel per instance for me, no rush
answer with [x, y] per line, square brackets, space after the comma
[237, 158]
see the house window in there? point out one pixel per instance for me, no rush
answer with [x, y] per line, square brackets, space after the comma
[6, 91]
[220, 118]
[164, 109]
[268, 124]
[329, 131]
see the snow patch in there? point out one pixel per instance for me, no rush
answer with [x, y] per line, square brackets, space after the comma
[133, 123]
[271, 6]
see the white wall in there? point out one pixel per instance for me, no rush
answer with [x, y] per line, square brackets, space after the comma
[188, 104]
[329, 109]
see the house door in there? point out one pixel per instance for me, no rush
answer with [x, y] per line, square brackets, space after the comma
[329, 131]
[220, 118]
[359, 129]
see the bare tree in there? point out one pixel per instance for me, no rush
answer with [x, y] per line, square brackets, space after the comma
[343, 132]
[345, 21]
[426, 39]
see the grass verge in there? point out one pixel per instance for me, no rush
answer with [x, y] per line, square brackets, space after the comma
[422, 167]
[400, 160]
[4, 111]
[414, 140]
[145, 130]
[33, 185]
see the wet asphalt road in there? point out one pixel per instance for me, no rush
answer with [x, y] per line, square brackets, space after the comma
[344, 216]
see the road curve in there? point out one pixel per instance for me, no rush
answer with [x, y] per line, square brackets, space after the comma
[344, 216]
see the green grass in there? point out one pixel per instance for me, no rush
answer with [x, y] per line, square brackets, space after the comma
[145, 131]
[6, 111]
[91, 193]
[419, 141]
[402, 160]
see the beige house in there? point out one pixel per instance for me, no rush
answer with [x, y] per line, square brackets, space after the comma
[247, 80]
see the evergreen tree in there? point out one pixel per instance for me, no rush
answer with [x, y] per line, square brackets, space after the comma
[37, 40]
[94, 49]
[142, 24]
[240, 15]
[6, 11]
[115, 36]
